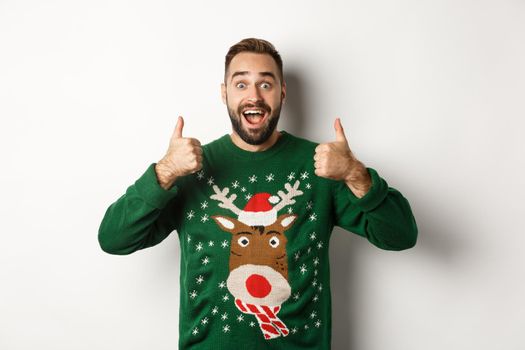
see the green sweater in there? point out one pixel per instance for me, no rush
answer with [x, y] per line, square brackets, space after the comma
[254, 230]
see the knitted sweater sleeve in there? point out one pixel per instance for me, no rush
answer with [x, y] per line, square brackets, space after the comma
[143, 217]
[383, 215]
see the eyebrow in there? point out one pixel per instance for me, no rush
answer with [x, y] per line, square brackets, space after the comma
[244, 72]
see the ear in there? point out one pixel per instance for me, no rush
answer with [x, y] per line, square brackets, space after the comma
[283, 91]
[223, 93]
[286, 220]
[225, 223]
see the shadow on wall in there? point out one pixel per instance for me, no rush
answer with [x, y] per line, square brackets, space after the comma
[294, 117]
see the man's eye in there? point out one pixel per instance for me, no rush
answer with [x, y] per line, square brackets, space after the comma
[266, 85]
[241, 85]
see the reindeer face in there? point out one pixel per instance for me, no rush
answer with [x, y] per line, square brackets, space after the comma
[258, 260]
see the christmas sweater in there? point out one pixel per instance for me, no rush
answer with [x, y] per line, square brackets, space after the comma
[254, 231]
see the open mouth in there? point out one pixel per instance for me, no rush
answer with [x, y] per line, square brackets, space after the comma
[255, 117]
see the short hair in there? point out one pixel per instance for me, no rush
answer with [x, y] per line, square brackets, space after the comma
[256, 46]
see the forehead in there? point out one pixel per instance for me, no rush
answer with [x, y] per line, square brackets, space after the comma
[253, 63]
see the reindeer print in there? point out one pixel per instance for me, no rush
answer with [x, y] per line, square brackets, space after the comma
[258, 263]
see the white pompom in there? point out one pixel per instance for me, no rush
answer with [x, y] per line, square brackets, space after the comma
[273, 199]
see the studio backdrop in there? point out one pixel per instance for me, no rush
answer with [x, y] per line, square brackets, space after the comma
[430, 94]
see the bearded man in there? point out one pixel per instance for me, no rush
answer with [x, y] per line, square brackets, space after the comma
[254, 211]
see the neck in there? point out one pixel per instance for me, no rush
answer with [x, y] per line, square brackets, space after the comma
[237, 141]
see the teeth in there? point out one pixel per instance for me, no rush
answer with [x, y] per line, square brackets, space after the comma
[253, 112]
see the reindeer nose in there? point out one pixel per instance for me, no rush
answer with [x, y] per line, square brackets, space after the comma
[258, 286]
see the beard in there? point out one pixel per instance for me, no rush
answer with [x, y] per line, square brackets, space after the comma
[259, 136]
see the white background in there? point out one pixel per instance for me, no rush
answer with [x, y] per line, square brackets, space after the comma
[431, 94]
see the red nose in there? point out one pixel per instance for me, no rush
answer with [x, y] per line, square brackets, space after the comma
[258, 286]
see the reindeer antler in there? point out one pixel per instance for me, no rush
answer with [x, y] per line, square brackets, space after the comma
[225, 202]
[287, 199]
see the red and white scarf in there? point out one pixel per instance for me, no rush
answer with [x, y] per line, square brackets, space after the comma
[271, 326]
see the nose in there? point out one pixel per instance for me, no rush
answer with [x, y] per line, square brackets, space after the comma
[258, 286]
[254, 94]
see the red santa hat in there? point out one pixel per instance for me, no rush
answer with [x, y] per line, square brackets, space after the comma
[259, 210]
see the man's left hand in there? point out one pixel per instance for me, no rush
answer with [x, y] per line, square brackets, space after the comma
[334, 160]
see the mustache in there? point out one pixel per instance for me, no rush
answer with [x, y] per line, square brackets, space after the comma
[259, 104]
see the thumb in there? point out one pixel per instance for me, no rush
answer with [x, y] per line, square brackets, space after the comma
[177, 133]
[339, 132]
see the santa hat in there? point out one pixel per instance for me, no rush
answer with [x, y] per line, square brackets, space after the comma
[259, 211]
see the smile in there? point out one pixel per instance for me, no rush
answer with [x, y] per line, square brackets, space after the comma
[255, 117]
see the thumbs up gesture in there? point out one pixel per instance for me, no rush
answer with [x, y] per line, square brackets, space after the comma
[183, 157]
[334, 160]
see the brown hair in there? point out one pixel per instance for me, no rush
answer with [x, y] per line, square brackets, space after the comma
[256, 46]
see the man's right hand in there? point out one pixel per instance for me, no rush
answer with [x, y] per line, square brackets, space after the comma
[184, 157]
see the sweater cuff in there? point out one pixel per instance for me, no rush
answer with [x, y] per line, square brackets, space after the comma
[375, 195]
[151, 192]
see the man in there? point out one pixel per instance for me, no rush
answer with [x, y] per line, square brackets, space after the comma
[254, 212]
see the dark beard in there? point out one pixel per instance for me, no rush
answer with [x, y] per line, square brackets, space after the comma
[260, 137]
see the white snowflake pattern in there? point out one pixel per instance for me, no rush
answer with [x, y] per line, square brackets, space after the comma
[291, 176]
[252, 179]
[198, 247]
[199, 279]
[304, 175]
[309, 250]
[313, 314]
[315, 272]
[204, 205]
[243, 189]
[252, 324]
[320, 245]
[315, 298]
[297, 255]
[226, 328]
[204, 321]
[290, 210]
[309, 205]
[190, 215]
[318, 323]
[205, 218]
[313, 236]
[200, 175]
[235, 184]
[195, 331]
[248, 196]
[240, 318]
[211, 180]
[224, 316]
[316, 261]
[314, 282]
[188, 239]
[211, 243]
[306, 327]
[215, 310]
[308, 186]
[224, 244]
[222, 285]
[303, 269]
[193, 294]
[294, 330]
[270, 177]
[226, 297]
[312, 217]
[320, 288]
[205, 261]
[296, 296]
